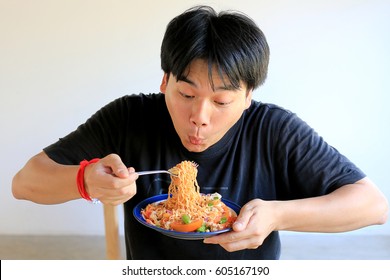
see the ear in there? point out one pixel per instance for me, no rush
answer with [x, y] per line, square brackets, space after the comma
[248, 98]
[164, 83]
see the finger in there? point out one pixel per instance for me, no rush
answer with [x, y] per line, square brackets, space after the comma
[224, 238]
[234, 241]
[131, 170]
[115, 163]
[132, 174]
[117, 195]
[250, 243]
[124, 195]
[244, 217]
[114, 202]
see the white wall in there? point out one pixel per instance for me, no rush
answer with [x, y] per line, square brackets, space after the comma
[60, 61]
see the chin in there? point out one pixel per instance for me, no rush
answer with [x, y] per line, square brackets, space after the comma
[195, 148]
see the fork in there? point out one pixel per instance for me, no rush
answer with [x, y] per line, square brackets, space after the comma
[140, 173]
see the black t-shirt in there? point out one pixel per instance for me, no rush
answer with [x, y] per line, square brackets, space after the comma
[269, 154]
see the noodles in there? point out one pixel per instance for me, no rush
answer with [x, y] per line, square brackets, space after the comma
[183, 193]
[186, 209]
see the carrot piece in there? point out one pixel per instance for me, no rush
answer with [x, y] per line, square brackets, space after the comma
[192, 226]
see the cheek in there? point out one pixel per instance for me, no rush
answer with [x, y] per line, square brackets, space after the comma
[177, 111]
[179, 114]
[229, 118]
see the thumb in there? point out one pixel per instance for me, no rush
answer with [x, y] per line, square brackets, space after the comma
[116, 165]
[243, 218]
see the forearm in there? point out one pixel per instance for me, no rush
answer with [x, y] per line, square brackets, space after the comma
[43, 181]
[350, 207]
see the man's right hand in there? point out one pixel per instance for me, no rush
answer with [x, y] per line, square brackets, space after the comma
[110, 181]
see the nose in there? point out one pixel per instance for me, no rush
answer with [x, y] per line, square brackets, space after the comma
[200, 115]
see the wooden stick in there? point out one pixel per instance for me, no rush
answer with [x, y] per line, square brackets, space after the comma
[113, 251]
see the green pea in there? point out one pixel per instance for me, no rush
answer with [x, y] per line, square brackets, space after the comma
[186, 219]
[223, 220]
[202, 228]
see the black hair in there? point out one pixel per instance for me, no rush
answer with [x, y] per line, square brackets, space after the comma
[231, 41]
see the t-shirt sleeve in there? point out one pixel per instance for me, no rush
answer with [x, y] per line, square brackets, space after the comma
[309, 166]
[96, 138]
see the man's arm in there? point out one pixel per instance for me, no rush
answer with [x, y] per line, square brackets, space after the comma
[350, 207]
[44, 181]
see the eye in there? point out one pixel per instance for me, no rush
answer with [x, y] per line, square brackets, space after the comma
[186, 95]
[222, 102]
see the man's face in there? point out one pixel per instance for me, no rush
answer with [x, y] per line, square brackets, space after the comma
[201, 115]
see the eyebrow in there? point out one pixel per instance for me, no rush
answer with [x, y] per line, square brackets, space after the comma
[229, 87]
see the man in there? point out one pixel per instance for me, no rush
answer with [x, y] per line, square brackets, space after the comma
[260, 156]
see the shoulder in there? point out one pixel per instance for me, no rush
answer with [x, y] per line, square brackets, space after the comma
[134, 104]
[278, 125]
[142, 97]
[136, 100]
[270, 116]
[268, 110]
[126, 110]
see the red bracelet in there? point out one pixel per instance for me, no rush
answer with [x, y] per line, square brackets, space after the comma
[80, 178]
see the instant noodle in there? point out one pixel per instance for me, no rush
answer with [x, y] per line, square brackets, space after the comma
[186, 209]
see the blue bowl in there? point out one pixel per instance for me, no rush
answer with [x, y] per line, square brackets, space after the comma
[176, 234]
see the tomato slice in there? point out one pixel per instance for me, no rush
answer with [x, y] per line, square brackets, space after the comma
[226, 211]
[179, 226]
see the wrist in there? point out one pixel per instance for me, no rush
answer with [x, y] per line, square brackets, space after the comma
[281, 215]
[80, 179]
